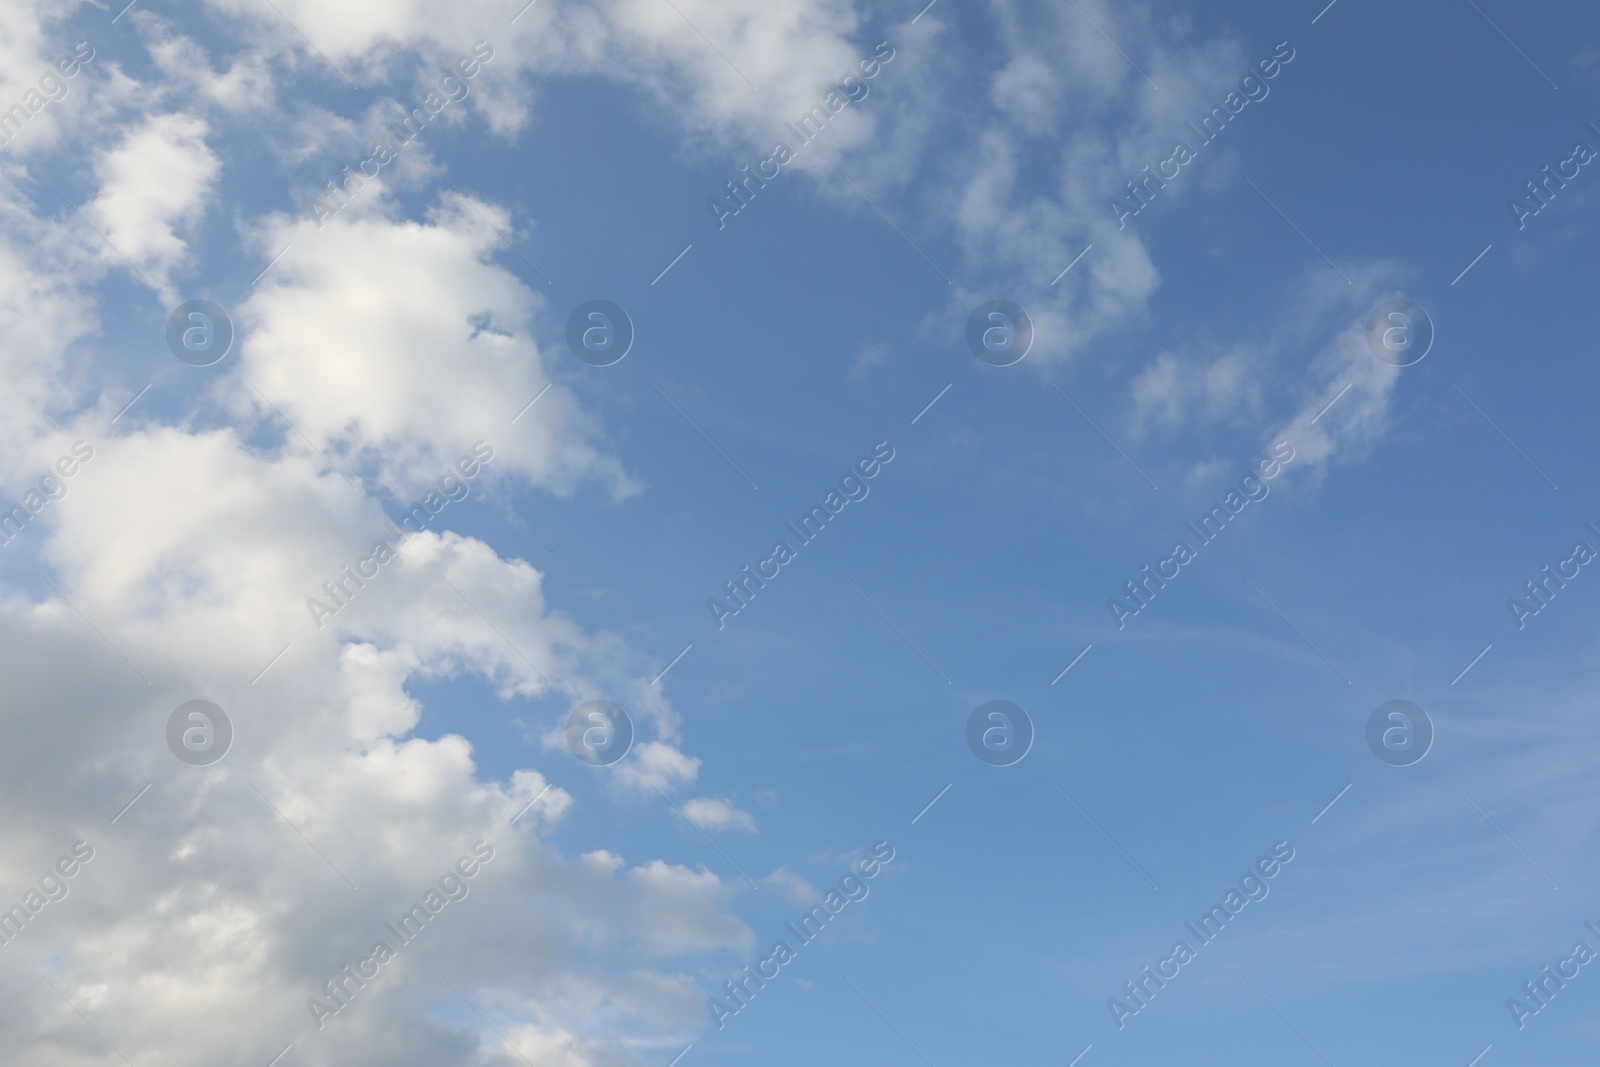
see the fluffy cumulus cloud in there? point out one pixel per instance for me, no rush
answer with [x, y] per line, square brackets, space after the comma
[205, 920]
[227, 548]
[153, 188]
[244, 888]
[435, 352]
[44, 313]
[31, 82]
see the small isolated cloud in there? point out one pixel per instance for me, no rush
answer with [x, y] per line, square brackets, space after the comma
[709, 813]
[869, 358]
[656, 765]
[1208, 471]
[791, 885]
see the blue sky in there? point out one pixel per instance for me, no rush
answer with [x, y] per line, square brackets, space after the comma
[826, 318]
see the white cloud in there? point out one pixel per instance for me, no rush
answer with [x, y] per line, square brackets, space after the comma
[710, 813]
[246, 85]
[213, 909]
[1015, 234]
[31, 44]
[792, 49]
[1267, 381]
[1012, 236]
[45, 313]
[154, 186]
[190, 553]
[1174, 389]
[653, 765]
[1360, 418]
[434, 344]
[796, 888]
[870, 357]
[193, 552]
